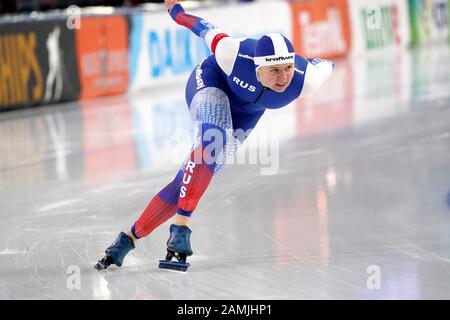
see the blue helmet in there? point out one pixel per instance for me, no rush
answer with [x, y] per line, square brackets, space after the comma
[272, 49]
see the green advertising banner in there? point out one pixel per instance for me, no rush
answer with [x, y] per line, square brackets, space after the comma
[429, 20]
[378, 24]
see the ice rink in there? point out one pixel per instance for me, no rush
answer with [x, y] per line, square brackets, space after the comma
[347, 195]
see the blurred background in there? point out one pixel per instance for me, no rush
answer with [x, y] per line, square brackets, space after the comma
[18, 6]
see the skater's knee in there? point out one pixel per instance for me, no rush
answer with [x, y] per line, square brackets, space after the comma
[211, 105]
[211, 95]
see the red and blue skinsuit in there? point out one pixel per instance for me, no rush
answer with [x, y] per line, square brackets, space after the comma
[223, 94]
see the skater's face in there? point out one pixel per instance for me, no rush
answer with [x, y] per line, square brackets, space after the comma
[276, 77]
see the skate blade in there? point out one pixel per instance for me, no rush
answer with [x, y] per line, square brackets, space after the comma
[173, 265]
[100, 267]
[103, 264]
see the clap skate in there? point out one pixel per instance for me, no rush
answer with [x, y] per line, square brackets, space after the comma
[178, 246]
[116, 252]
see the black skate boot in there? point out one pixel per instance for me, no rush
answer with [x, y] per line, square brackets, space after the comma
[116, 252]
[178, 246]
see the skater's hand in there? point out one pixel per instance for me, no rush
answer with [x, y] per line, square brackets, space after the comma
[170, 4]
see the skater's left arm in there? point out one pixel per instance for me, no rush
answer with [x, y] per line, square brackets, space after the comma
[317, 72]
[224, 47]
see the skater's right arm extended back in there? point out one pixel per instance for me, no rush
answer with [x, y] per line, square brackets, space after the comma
[224, 47]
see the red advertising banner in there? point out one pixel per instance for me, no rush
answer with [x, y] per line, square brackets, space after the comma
[321, 28]
[102, 53]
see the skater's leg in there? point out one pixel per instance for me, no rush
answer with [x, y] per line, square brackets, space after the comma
[210, 110]
[161, 208]
[207, 158]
